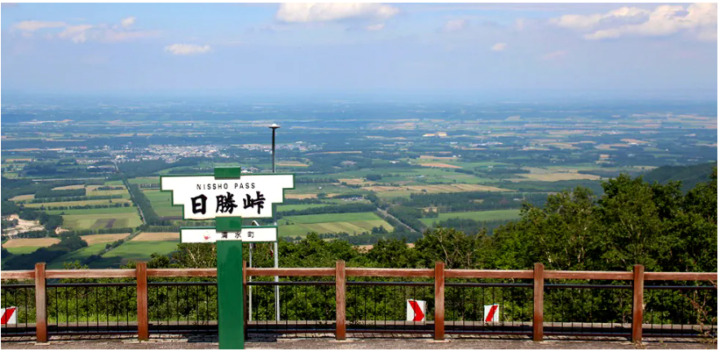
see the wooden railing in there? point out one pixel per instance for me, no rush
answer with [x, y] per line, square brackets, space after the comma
[538, 275]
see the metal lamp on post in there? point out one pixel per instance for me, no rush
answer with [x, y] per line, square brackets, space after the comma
[274, 127]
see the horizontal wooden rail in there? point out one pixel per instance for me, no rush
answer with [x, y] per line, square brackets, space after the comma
[17, 274]
[362, 272]
[90, 274]
[208, 272]
[368, 272]
[488, 274]
[589, 275]
[681, 276]
[291, 271]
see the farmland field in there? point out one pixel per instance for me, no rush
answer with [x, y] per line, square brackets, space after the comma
[300, 196]
[550, 175]
[78, 255]
[113, 210]
[161, 203]
[30, 242]
[94, 191]
[405, 191]
[135, 251]
[291, 207]
[487, 215]
[351, 223]
[101, 218]
[105, 238]
[23, 197]
[144, 180]
[65, 188]
[23, 250]
[441, 165]
[157, 236]
[78, 203]
[291, 164]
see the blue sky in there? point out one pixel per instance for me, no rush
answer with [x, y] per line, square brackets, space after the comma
[473, 49]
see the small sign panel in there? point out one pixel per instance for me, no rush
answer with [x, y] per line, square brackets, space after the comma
[205, 197]
[492, 313]
[416, 310]
[9, 315]
[247, 234]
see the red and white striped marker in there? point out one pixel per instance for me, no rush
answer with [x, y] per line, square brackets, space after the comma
[416, 310]
[9, 315]
[492, 313]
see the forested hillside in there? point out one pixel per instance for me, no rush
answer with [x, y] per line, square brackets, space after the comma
[689, 175]
[633, 222]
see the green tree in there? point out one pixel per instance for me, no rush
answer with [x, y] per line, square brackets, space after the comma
[633, 221]
[454, 248]
[393, 253]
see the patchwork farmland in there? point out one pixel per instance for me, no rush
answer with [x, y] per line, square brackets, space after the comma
[350, 223]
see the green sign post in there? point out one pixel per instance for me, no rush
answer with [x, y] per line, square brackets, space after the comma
[228, 198]
[231, 312]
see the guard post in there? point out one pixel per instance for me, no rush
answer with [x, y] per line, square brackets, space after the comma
[228, 198]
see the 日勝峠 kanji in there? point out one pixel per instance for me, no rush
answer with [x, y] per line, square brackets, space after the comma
[199, 204]
[226, 204]
[249, 202]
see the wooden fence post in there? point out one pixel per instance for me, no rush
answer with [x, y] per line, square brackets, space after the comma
[245, 298]
[538, 304]
[142, 301]
[638, 286]
[41, 334]
[340, 300]
[439, 301]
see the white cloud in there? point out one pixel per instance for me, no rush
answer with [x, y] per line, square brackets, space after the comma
[499, 47]
[555, 55]
[78, 34]
[81, 33]
[375, 27]
[31, 26]
[454, 25]
[127, 22]
[113, 36]
[700, 20]
[328, 12]
[589, 21]
[187, 49]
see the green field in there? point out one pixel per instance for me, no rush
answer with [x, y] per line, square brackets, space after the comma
[144, 180]
[161, 203]
[118, 210]
[79, 255]
[352, 223]
[487, 215]
[315, 188]
[293, 207]
[77, 203]
[102, 218]
[134, 251]
[22, 250]
[111, 192]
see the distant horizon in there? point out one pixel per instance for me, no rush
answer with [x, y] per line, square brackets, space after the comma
[479, 97]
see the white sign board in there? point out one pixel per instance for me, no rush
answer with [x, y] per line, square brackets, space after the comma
[204, 197]
[415, 310]
[492, 313]
[210, 235]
